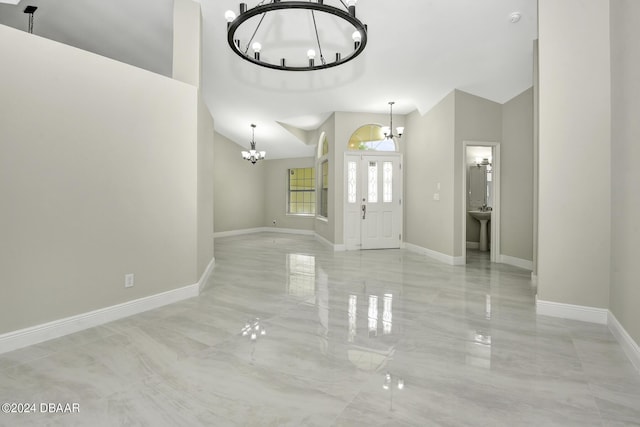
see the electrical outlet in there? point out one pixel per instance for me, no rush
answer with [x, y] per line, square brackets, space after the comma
[128, 280]
[436, 196]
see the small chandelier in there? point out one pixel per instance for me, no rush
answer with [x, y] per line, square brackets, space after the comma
[252, 155]
[347, 14]
[388, 130]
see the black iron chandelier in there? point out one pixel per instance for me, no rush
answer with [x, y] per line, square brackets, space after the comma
[347, 14]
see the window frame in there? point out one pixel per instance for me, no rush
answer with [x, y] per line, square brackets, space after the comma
[322, 154]
[311, 190]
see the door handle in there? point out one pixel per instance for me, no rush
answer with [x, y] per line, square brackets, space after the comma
[364, 211]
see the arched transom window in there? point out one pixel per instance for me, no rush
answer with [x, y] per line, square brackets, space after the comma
[370, 138]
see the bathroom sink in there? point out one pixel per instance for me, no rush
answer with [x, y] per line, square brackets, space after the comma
[483, 217]
[480, 215]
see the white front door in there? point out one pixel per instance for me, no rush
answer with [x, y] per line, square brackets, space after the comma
[373, 201]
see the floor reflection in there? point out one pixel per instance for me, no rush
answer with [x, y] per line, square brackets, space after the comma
[301, 277]
[348, 336]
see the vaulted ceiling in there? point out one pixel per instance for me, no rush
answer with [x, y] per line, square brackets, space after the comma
[418, 52]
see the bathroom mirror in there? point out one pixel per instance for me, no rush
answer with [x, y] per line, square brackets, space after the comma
[477, 187]
[479, 177]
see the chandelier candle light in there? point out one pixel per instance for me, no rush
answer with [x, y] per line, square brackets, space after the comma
[252, 155]
[280, 9]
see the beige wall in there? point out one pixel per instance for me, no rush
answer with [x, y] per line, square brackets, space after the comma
[433, 146]
[250, 196]
[516, 177]
[476, 119]
[239, 193]
[326, 228]
[186, 68]
[205, 186]
[574, 153]
[428, 145]
[536, 162]
[625, 179]
[275, 190]
[187, 23]
[98, 174]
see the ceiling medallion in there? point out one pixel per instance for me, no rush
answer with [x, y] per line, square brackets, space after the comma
[348, 14]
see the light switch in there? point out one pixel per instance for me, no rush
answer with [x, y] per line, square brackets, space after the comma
[128, 280]
[436, 196]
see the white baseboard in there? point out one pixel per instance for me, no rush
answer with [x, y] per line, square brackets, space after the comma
[47, 331]
[447, 259]
[627, 343]
[516, 262]
[336, 248]
[570, 311]
[205, 275]
[593, 315]
[289, 231]
[237, 232]
[473, 245]
[263, 230]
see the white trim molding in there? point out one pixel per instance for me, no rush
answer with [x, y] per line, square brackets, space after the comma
[627, 343]
[570, 311]
[263, 230]
[237, 232]
[447, 259]
[323, 240]
[593, 315]
[516, 262]
[47, 331]
[289, 231]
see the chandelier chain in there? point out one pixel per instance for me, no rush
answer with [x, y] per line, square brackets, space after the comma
[254, 33]
[318, 38]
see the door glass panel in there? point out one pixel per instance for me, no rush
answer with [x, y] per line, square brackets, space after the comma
[352, 176]
[387, 178]
[373, 182]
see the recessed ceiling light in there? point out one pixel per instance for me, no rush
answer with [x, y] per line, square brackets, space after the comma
[515, 17]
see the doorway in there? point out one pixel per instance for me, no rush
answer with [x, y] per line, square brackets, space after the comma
[492, 165]
[373, 200]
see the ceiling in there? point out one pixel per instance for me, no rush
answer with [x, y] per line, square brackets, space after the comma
[418, 52]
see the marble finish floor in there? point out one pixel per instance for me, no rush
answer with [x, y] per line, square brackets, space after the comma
[367, 338]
